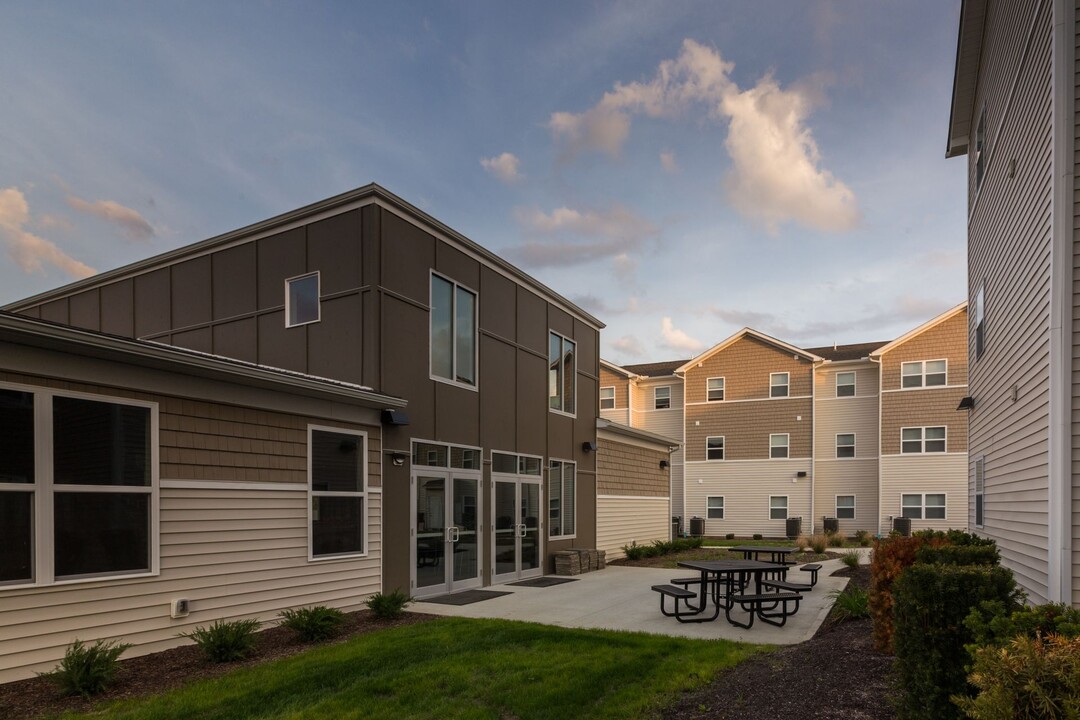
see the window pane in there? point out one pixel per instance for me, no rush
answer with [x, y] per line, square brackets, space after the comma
[98, 533]
[662, 397]
[555, 384]
[935, 433]
[337, 525]
[303, 300]
[464, 458]
[17, 431]
[915, 513]
[935, 366]
[442, 338]
[100, 443]
[714, 448]
[845, 501]
[530, 466]
[912, 374]
[16, 537]
[935, 500]
[569, 375]
[555, 499]
[911, 446]
[607, 398]
[911, 500]
[569, 499]
[336, 462]
[778, 385]
[503, 463]
[465, 321]
[715, 389]
[911, 434]
[430, 455]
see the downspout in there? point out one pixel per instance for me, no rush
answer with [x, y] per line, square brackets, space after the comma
[880, 397]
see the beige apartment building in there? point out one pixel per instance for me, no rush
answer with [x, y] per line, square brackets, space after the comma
[862, 433]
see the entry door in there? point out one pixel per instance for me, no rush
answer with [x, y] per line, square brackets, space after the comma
[446, 532]
[516, 550]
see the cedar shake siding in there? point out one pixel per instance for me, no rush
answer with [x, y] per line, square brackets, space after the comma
[746, 365]
[621, 412]
[746, 428]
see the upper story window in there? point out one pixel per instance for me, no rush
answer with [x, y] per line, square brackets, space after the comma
[453, 331]
[979, 315]
[562, 373]
[662, 398]
[845, 445]
[302, 300]
[337, 490]
[915, 440]
[845, 384]
[88, 474]
[778, 384]
[714, 389]
[923, 373]
[607, 398]
[714, 448]
[778, 445]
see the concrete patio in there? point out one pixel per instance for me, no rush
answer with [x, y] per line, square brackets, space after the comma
[621, 598]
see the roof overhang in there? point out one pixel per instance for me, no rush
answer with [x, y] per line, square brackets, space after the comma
[966, 76]
[619, 432]
[919, 330]
[617, 369]
[747, 332]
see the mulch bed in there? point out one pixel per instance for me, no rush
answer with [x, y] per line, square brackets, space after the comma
[159, 672]
[716, 553]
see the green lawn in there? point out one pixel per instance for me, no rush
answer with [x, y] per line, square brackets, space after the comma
[456, 668]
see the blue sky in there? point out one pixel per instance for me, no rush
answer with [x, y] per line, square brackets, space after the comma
[678, 169]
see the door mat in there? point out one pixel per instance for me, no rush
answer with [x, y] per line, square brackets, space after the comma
[467, 597]
[541, 582]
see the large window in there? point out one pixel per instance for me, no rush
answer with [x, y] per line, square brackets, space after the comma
[778, 445]
[607, 398]
[845, 445]
[980, 490]
[662, 398]
[779, 384]
[562, 499]
[562, 373]
[453, 331]
[845, 507]
[845, 384]
[337, 462]
[919, 506]
[302, 300]
[923, 373]
[714, 389]
[778, 507]
[714, 448]
[922, 440]
[83, 466]
[714, 509]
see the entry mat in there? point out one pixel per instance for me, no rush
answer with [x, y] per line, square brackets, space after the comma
[546, 581]
[468, 597]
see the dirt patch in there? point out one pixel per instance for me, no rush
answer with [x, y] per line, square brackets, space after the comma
[163, 671]
[714, 553]
[836, 674]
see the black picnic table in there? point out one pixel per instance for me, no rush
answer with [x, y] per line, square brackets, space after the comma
[777, 553]
[734, 575]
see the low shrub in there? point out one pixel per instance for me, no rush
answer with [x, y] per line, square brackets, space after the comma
[757, 536]
[802, 542]
[1030, 678]
[994, 623]
[851, 603]
[661, 547]
[225, 641]
[958, 554]
[836, 539]
[890, 557]
[87, 669]
[851, 559]
[730, 536]
[313, 624]
[388, 606]
[863, 538]
[818, 543]
[931, 602]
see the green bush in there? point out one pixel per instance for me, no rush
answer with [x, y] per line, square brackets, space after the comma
[851, 603]
[994, 623]
[730, 536]
[958, 555]
[313, 623]
[757, 536]
[863, 538]
[851, 559]
[226, 641]
[87, 669]
[1030, 678]
[388, 606]
[660, 547]
[930, 604]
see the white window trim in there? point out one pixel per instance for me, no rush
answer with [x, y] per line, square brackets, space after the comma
[453, 351]
[787, 507]
[854, 384]
[723, 389]
[787, 444]
[363, 494]
[318, 299]
[922, 374]
[979, 462]
[922, 440]
[854, 446]
[786, 385]
[43, 488]
[854, 505]
[562, 493]
[922, 504]
[613, 401]
[722, 508]
[723, 448]
[657, 389]
[555, 410]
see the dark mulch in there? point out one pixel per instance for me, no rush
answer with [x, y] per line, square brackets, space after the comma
[836, 674]
[159, 672]
[671, 560]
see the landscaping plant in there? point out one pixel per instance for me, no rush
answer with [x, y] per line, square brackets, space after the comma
[225, 641]
[994, 623]
[818, 543]
[730, 536]
[388, 606]
[87, 669]
[757, 536]
[851, 603]
[313, 623]
[837, 539]
[851, 559]
[863, 538]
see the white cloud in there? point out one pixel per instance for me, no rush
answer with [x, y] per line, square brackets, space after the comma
[629, 346]
[30, 252]
[674, 339]
[612, 233]
[134, 225]
[669, 163]
[504, 167]
[775, 175]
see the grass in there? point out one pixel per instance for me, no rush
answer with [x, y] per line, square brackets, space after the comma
[456, 668]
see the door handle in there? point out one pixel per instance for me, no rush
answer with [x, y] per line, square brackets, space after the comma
[455, 533]
[521, 530]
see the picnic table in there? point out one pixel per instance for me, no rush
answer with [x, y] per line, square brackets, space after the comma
[777, 553]
[725, 582]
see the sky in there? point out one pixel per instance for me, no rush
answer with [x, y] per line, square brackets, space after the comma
[678, 169]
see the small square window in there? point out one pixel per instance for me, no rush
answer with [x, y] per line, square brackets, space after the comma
[715, 509]
[302, 300]
[778, 445]
[845, 384]
[662, 398]
[607, 398]
[715, 389]
[935, 506]
[714, 448]
[845, 507]
[911, 506]
[935, 372]
[935, 439]
[845, 445]
[778, 384]
[778, 507]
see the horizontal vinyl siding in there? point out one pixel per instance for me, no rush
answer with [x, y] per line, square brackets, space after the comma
[857, 477]
[866, 382]
[678, 472]
[233, 553]
[925, 474]
[624, 520]
[856, 415]
[619, 415]
[746, 487]
[1076, 341]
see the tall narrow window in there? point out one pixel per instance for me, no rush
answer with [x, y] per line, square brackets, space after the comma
[302, 300]
[714, 448]
[778, 445]
[562, 499]
[337, 490]
[845, 384]
[662, 398]
[17, 480]
[453, 331]
[607, 398]
[778, 384]
[562, 373]
[714, 389]
[979, 314]
[845, 445]
[980, 490]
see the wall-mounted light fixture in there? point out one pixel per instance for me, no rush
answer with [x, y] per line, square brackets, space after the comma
[968, 403]
[801, 473]
[394, 417]
[398, 458]
[664, 464]
[588, 446]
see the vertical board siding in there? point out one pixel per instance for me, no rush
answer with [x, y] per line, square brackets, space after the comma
[746, 487]
[1009, 247]
[233, 553]
[625, 520]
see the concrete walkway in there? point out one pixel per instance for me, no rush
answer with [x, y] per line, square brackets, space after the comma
[620, 598]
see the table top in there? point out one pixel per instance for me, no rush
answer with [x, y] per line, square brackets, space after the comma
[729, 565]
[764, 548]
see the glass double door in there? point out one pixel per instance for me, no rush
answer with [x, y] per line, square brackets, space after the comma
[515, 511]
[446, 531]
